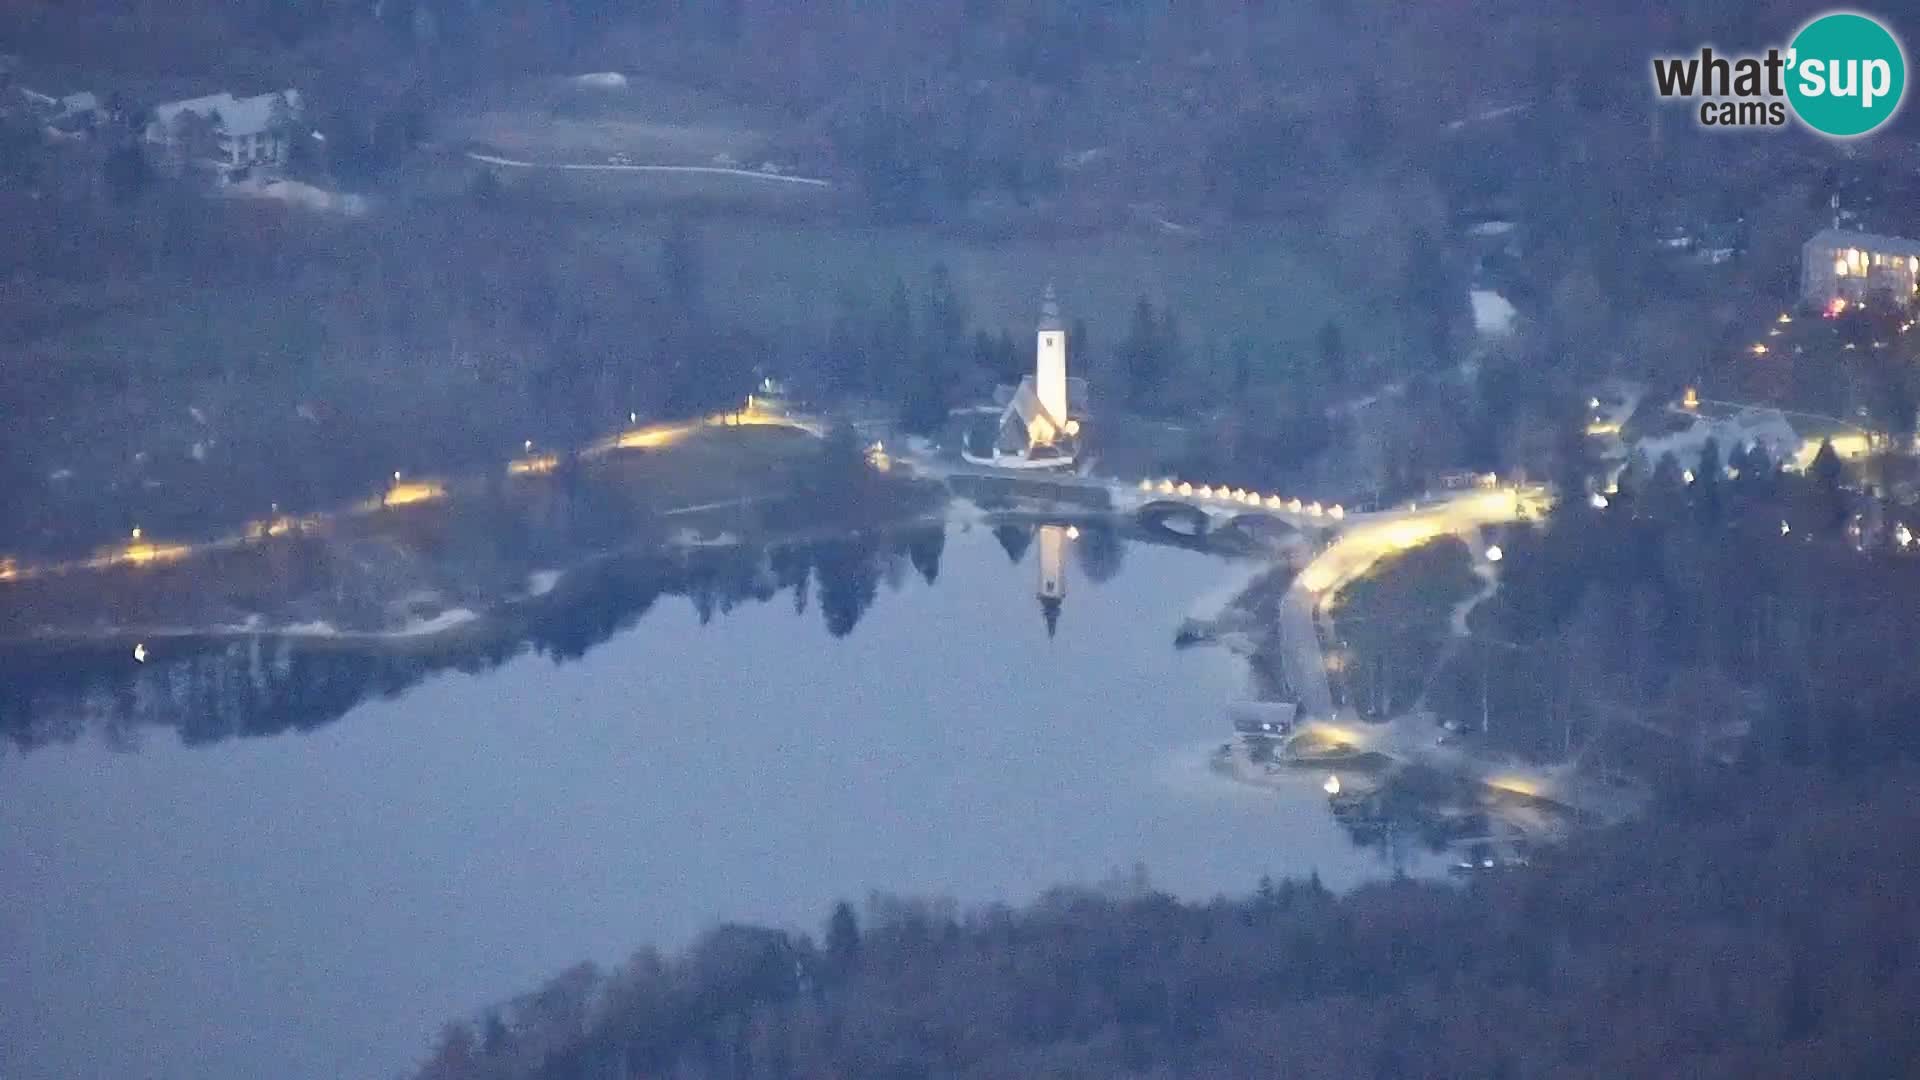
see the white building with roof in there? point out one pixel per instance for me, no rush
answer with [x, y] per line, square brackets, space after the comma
[232, 138]
[1836, 264]
[1039, 422]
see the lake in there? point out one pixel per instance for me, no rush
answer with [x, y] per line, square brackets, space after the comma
[254, 858]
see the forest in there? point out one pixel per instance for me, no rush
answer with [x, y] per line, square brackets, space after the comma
[1764, 934]
[174, 358]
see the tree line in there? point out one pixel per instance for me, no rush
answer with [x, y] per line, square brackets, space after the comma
[1763, 935]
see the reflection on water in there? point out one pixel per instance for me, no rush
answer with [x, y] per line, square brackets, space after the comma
[215, 687]
[416, 829]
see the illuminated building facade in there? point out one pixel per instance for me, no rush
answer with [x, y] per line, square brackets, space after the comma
[1851, 266]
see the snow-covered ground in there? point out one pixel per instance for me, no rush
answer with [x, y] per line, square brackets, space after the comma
[295, 193]
[1493, 315]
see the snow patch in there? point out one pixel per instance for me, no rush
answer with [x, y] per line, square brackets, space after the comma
[1493, 315]
[692, 539]
[295, 193]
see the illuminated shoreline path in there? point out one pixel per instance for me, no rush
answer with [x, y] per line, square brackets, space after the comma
[403, 490]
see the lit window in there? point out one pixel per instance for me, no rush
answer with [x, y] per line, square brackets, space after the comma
[1840, 268]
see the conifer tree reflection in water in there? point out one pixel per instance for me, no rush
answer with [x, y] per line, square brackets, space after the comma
[215, 688]
[924, 548]
[849, 575]
[1099, 552]
[792, 569]
[1014, 540]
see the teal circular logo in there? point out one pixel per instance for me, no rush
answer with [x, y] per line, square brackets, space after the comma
[1845, 74]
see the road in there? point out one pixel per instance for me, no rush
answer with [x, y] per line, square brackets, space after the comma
[1366, 539]
[141, 550]
[694, 170]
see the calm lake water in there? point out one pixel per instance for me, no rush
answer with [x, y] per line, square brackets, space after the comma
[186, 902]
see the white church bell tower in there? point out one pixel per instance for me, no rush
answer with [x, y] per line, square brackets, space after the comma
[1050, 360]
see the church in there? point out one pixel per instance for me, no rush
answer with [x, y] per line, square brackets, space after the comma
[1039, 425]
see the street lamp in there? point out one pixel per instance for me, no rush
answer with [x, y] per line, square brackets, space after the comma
[1597, 501]
[1332, 786]
[1494, 554]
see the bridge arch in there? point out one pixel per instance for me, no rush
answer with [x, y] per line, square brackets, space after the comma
[1184, 519]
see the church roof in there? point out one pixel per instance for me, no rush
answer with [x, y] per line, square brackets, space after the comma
[1026, 405]
[1050, 311]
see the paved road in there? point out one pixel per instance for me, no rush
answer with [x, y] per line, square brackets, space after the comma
[695, 170]
[1365, 540]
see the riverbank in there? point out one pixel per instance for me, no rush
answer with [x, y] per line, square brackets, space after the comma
[410, 569]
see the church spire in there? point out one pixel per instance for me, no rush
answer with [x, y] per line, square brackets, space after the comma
[1050, 310]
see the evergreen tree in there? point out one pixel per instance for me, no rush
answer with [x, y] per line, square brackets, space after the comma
[1331, 349]
[680, 266]
[1708, 501]
[126, 172]
[1827, 473]
[1080, 346]
[1143, 356]
[894, 346]
[1665, 492]
[843, 935]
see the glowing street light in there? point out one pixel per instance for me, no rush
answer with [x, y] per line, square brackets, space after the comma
[140, 653]
[136, 532]
[1073, 532]
[1494, 554]
[1597, 501]
[1332, 786]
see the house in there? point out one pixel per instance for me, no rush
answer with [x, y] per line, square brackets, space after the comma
[1262, 719]
[69, 110]
[1840, 265]
[228, 137]
[1683, 430]
[1720, 241]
